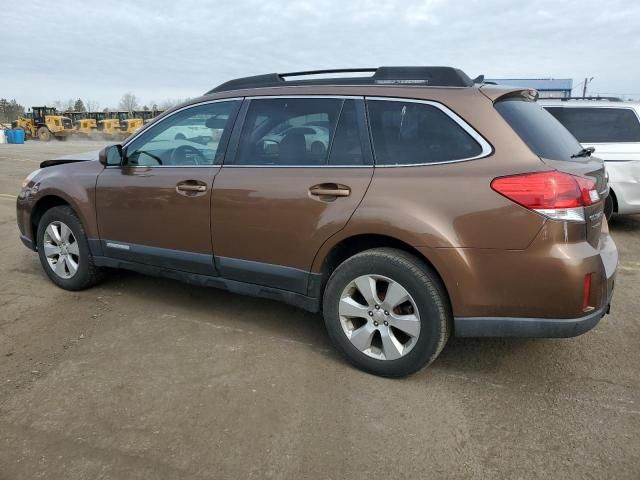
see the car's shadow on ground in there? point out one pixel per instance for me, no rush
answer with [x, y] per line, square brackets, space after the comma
[221, 307]
[624, 223]
[461, 356]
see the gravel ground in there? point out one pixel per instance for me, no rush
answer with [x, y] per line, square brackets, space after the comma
[149, 378]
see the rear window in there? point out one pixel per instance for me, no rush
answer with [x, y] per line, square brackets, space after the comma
[406, 133]
[599, 125]
[545, 136]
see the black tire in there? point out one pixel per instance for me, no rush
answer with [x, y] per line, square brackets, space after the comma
[608, 207]
[87, 273]
[420, 281]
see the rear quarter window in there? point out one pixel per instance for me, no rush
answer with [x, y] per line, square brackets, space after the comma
[543, 134]
[599, 124]
[409, 133]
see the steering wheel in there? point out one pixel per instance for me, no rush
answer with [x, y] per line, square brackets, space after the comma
[181, 152]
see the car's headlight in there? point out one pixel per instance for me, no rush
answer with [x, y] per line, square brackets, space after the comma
[30, 177]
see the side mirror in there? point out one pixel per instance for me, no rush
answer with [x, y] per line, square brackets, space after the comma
[111, 155]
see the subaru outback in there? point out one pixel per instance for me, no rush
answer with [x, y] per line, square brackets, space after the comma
[407, 206]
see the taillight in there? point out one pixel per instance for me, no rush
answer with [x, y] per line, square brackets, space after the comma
[554, 194]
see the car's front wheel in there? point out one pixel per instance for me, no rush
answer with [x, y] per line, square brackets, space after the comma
[64, 250]
[387, 312]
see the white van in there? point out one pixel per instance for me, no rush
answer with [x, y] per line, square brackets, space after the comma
[613, 129]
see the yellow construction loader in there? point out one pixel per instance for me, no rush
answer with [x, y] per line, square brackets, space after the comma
[44, 123]
[109, 127]
[134, 121]
[86, 127]
[130, 125]
[83, 124]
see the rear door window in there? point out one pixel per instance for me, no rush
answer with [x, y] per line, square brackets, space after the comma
[346, 148]
[409, 133]
[544, 135]
[599, 124]
[288, 131]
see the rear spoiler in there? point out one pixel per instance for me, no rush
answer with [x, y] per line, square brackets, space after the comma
[497, 92]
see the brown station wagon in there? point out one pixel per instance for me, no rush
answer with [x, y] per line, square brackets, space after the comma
[407, 205]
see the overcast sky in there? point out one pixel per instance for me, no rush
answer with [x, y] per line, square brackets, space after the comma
[161, 49]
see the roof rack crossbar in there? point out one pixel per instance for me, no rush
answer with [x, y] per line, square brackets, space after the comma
[420, 76]
[328, 71]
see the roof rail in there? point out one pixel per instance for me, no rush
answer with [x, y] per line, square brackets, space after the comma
[420, 76]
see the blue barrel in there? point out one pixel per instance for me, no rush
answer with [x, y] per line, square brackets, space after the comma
[18, 136]
[9, 134]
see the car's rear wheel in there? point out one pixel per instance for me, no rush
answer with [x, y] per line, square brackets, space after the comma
[608, 207]
[387, 312]
[64, 250]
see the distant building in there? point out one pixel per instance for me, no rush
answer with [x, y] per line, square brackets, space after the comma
[546, 87]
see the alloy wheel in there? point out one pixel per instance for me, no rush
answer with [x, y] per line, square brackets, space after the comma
[61, 250]
[379, 317]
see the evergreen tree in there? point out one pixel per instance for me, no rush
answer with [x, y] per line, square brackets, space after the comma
[79, 106]
[10, 110]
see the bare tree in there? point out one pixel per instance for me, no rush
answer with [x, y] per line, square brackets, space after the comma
[128, 102]
[171, 102]
[91, 105]
[69, 105]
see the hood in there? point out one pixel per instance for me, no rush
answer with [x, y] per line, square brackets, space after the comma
[76, 157]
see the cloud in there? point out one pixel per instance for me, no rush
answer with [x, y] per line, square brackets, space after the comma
[165, 49]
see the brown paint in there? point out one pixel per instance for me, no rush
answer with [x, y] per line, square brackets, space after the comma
[282, 223]
[141, 205]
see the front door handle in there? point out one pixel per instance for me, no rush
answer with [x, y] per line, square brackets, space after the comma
[330, 190]
[191, 187]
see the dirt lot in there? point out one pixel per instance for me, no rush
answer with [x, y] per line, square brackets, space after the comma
[148, 378]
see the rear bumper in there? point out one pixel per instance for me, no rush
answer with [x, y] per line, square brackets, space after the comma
[536, 292]
[529, 327]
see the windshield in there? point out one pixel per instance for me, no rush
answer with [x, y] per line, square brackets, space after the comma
[545, 136]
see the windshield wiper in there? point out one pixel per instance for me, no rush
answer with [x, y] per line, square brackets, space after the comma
[585, 152]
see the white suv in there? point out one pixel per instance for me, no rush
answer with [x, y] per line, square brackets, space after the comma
[613, 129]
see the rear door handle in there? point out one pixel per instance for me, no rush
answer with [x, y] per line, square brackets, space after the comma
[191, 186]
[330, 190]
